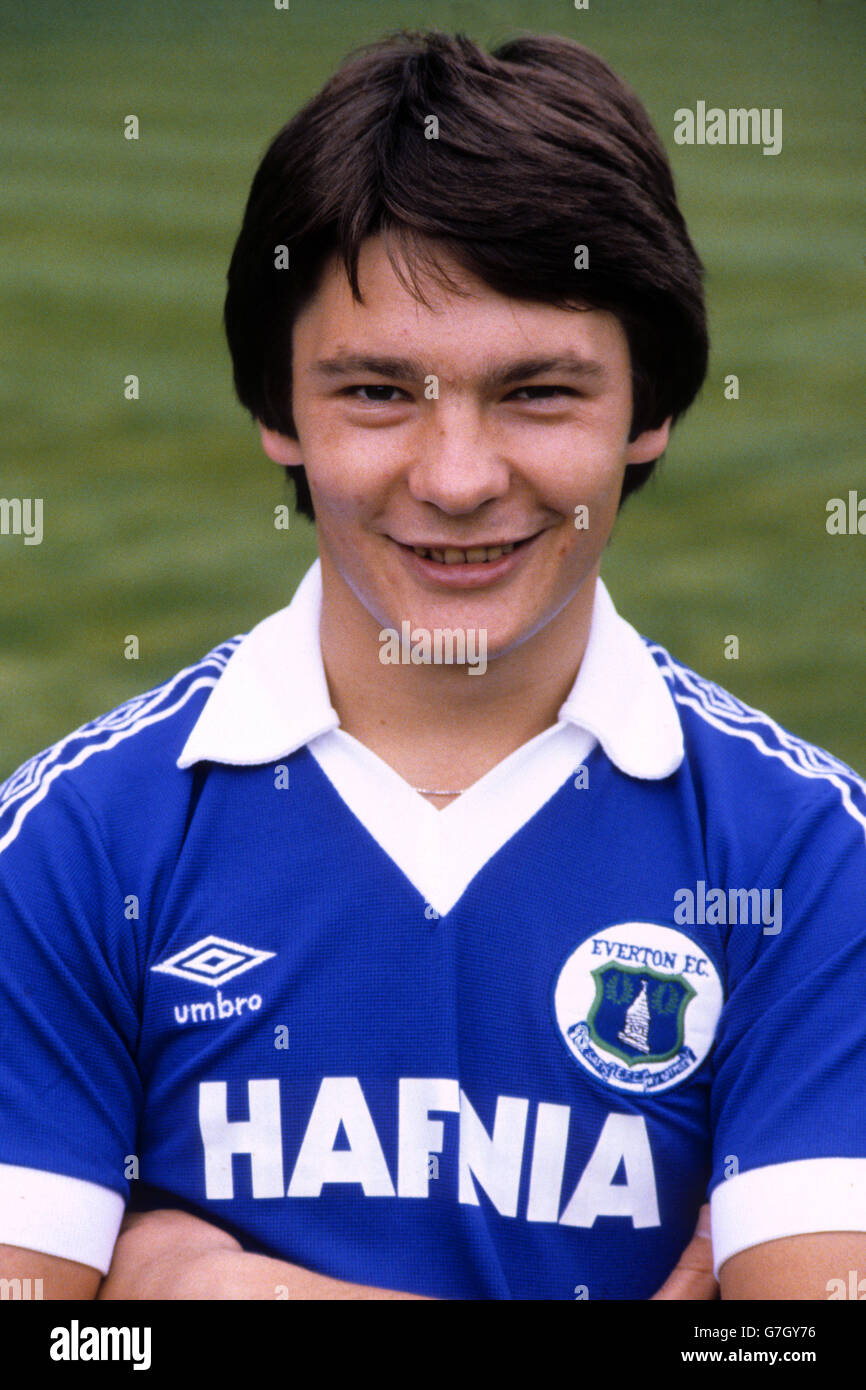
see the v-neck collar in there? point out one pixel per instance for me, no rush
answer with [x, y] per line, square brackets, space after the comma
[272, 699]
[440, 852]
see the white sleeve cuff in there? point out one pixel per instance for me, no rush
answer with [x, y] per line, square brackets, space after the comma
[58, 1215]
[787, 1199]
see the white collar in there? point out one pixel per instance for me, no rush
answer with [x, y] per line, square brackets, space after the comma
[272, 698]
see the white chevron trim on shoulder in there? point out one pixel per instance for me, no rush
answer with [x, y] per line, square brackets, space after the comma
[32, 781]
[725, 712]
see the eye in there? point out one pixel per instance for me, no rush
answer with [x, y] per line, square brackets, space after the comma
[542, 393]
[376, 395]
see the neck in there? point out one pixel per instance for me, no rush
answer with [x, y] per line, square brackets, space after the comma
[435, 724]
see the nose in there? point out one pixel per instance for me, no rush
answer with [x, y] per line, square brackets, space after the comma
[457, 465]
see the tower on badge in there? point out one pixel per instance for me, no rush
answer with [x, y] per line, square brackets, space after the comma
[635, 1029]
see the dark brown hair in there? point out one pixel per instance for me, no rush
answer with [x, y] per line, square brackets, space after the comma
[540, 148]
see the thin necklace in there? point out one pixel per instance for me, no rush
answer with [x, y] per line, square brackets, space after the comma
[428, 791]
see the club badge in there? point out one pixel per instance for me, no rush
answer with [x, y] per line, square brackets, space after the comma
[637, 1005]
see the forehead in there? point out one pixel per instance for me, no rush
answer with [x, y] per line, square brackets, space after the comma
[460, 331]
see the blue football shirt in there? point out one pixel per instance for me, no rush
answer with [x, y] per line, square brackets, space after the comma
[502, 1050]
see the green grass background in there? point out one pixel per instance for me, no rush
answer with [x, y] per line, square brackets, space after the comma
[159, 514]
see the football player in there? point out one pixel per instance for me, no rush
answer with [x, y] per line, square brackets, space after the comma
[442, 937]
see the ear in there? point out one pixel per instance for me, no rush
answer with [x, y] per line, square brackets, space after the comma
[649, 445]
[280, 447]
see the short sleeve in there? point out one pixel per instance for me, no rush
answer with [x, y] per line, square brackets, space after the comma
[70, 1093]
[788, 1097]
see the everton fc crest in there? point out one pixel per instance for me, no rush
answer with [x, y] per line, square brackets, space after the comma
[637, 1005]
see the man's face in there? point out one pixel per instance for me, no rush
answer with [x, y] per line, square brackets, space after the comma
[461, 430]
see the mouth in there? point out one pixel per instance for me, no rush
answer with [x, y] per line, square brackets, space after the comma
[443, 554]
[450, 567]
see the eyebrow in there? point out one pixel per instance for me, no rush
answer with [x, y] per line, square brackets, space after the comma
[495, 374]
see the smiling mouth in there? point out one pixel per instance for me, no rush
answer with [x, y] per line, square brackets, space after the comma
[470, 555]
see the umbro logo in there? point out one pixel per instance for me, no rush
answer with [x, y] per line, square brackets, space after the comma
[212, 961]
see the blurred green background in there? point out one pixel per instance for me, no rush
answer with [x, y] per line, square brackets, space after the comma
[158, 514]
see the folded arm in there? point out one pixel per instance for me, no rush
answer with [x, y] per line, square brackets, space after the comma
[173, 1255]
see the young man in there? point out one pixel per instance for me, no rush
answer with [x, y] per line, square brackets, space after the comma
[462, 978]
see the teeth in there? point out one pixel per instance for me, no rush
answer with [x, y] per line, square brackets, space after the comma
[475, 555]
